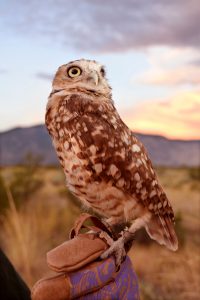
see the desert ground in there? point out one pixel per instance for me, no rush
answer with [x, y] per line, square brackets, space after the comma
[37, 212]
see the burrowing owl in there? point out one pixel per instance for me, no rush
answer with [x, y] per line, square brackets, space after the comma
[105, 165]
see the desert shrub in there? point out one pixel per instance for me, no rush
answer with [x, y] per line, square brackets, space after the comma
[193, 178]
[25, 180]
[194, 173]
[179, 228]
[3, 195]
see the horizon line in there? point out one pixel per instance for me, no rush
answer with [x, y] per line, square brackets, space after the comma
[135, 132]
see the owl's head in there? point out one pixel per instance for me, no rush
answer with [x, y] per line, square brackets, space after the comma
[84, 74]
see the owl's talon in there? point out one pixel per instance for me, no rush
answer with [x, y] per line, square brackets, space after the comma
[117, 250]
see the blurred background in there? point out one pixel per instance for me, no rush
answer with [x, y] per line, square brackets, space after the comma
[151, 52]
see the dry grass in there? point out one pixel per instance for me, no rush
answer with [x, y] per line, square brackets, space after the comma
[167, 276]
[43, 222]
[29, 233]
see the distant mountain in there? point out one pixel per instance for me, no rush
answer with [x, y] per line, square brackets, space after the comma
[17, 142]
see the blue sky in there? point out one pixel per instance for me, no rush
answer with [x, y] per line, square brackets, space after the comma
[152, 58]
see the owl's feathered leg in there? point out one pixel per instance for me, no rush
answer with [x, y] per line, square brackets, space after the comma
[127, 235]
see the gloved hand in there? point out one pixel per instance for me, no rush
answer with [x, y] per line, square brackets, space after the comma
[82, 275]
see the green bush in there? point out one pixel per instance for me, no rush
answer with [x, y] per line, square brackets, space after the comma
[3, 195]
[194, 173]
[25, 179]
[180, 230]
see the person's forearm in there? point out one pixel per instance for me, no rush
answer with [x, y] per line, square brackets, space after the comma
[12, 287]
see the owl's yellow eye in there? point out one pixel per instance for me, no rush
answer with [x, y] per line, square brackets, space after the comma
[74, 72]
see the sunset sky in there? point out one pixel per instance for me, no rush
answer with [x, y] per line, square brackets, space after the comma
[150, 50]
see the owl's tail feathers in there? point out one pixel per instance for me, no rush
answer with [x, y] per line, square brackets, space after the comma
[161, 229]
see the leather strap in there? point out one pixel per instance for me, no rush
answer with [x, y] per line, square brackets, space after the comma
[79, 224]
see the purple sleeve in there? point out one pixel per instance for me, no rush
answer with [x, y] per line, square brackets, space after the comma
[102, 282]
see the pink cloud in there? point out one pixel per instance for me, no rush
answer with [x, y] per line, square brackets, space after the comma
[183, 75]
[105, 26]
[171, 66]
[177, 118]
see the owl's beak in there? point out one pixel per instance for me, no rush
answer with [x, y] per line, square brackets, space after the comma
[94, 76]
